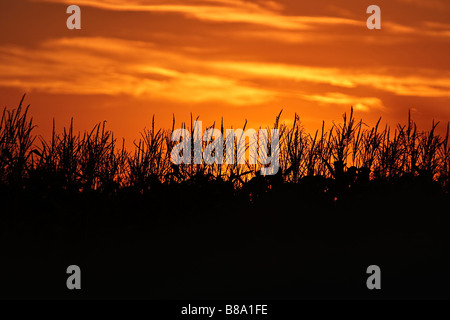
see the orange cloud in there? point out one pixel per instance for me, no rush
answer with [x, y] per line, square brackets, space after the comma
[60, 67]
[234, 11]
[112, 66]
[359, 103]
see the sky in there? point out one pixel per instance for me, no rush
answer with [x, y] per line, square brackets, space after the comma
[235, 59]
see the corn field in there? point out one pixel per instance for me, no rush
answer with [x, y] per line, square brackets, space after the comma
[96, 160]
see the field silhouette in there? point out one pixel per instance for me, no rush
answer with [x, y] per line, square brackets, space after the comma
[141, 227]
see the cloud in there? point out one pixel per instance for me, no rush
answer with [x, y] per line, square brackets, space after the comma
[262, 13]
[425, 83]
[269, 18]
[427, 29]
[359, 103]
[112, 66]
[60, 66]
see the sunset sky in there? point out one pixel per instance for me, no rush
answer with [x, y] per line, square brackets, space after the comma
[232, 58]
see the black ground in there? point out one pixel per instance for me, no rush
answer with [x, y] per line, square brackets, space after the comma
[209, 241]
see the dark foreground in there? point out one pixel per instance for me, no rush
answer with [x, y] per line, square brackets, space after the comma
[208, 241]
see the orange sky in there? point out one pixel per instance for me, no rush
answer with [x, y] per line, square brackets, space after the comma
[232, 58]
